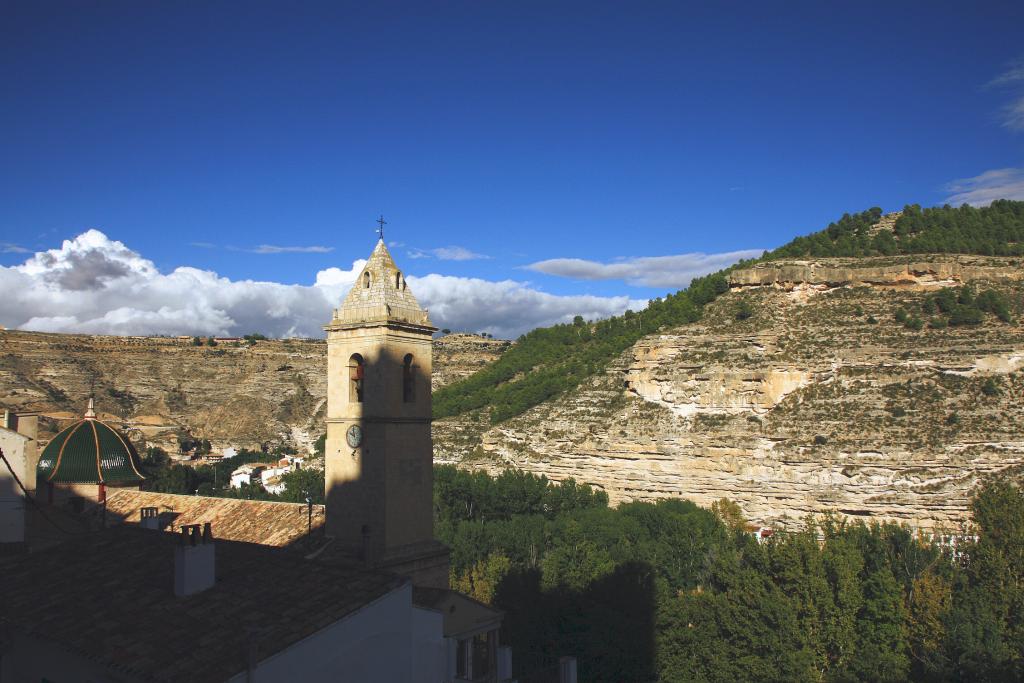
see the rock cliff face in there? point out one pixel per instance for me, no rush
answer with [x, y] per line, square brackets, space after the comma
[807, 406]
[162, 389]
[804, 407]
[457, 356]
[903, 273]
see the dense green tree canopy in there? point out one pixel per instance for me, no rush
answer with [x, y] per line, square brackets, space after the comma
[669, 591]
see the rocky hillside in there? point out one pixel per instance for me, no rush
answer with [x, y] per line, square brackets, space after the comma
[798, 392]
[457, 356]
[164, 389]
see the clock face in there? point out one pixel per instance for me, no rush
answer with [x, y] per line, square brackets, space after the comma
[354, 436]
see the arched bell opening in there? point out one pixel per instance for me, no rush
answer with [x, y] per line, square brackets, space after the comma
[356, 372]
[408, 379]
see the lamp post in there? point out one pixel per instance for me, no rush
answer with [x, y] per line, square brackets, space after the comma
[309, 519]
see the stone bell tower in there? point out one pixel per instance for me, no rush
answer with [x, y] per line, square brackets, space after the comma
[379, 452]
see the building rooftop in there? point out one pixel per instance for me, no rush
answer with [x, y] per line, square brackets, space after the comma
[463, 616]
[249, 521]
[380, 294]
[89, 452]
[109, 597]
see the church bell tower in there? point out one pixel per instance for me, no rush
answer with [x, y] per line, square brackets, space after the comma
[379, 452]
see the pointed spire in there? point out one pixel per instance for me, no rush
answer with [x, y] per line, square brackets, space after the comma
[90, 412]
[380, 293]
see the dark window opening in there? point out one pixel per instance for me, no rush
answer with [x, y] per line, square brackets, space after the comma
[366, 280]
[462, 659]
[356, 370]
[408, 379]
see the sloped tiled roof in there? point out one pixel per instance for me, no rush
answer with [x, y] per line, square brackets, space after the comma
[121, 611]
[250, 521]
[380, 293]
[463, 616]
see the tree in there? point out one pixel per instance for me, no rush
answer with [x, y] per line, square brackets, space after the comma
[482, 580]
[302, 483]
[990, 387]
[730, 513]
[928, 607]
[985, 622]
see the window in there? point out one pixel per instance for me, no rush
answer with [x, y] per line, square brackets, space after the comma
[408, 379]
[356, 370]
[398, 280]
[366, 280]
[462, 659]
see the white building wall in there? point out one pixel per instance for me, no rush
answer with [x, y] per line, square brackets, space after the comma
[429, 648]
[271, 472]
[374, 645]
[388, 641]
[12, 500]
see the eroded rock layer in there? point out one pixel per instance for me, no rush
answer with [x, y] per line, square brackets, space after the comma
[164, 389]
[819, 401]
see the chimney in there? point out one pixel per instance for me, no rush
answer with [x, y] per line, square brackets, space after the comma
[149, 518]
[194, 569]
[566, 670]
[26, 424]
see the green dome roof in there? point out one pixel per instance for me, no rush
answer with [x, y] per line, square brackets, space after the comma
[89, 452]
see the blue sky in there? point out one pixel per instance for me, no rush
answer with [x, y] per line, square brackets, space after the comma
[194, 133]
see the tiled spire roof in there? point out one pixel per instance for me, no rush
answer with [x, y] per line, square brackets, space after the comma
[380, 293]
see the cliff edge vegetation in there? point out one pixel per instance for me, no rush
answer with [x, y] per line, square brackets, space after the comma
[549, 361]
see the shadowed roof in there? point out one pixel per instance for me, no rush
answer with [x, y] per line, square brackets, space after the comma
[463, 616]
[120, 610]
[251, 521]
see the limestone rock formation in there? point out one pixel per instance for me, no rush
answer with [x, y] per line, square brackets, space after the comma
[161, 388]
[817, 402]
[457, 356]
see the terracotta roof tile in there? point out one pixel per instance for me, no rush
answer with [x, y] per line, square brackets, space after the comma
[250, 521]
[120, 610]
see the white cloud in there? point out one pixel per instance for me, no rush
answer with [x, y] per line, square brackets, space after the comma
[1012, 79]
[1013, 75]
[1013, 115]
[646, 271]
[274, 249]
[983, 189]
[93, 284]
[447, 254]
[268, 248]
[507, 308]
[11, 248]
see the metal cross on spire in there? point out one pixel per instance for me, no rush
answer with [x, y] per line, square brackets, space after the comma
[381, 222]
